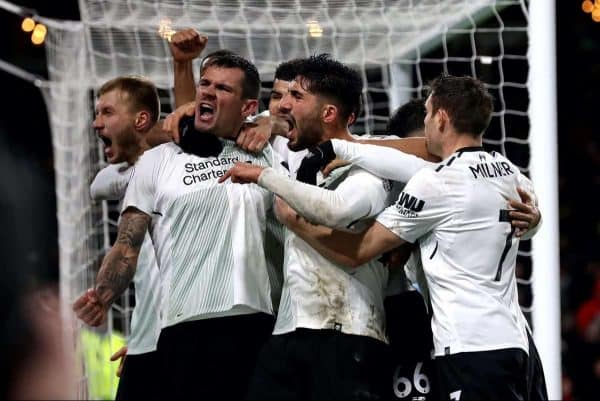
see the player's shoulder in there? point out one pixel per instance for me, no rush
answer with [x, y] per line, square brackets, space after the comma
[355, 172]
[265, 157]
[430, 174]
[428, 182]
[154, 158]
[167, 148]
[497, 156]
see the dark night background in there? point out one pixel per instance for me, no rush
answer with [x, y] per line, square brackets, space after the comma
[28, 201]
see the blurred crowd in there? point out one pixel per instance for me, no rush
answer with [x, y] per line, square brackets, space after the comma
[580, 261]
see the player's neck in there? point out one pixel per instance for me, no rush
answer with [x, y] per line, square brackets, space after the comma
[338, 133]
[137, 152]
[455, 142]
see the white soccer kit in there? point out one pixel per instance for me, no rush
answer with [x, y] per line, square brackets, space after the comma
[398, 166]
[320, 294]
[208, 237]
[457, 213]
[290, 158]
[110, 184]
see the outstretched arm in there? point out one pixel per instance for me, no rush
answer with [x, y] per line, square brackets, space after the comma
[334, 208]
[345, 248]
[185, 46]
[117, 270]
[396, 159]
[414, 146]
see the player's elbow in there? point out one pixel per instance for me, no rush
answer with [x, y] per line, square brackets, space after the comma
[341, 216]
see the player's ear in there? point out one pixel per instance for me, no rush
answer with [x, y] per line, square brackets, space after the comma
[142, 121]
[249, 107]
[443, 119]
[352, 118]
[329, 113]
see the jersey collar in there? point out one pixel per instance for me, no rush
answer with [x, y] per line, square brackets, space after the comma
[470, 149]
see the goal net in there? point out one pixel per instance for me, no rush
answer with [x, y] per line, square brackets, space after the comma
[398, 46]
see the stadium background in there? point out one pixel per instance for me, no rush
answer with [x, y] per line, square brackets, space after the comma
[28, 202]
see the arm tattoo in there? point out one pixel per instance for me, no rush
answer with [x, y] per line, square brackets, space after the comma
[118, 266]
[132, 229]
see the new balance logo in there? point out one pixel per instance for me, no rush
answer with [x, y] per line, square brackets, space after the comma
[407, 201]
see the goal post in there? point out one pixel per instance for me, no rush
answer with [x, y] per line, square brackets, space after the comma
[544, 173]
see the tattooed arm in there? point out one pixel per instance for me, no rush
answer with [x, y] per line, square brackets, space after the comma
[117, 270]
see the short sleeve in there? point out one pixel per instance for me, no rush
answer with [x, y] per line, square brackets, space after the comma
[111, 182]
[420, 207]
[142, 186]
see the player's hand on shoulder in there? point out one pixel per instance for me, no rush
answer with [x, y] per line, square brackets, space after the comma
[280, 126]
[255, 135]
[187, 44]
[171, 123]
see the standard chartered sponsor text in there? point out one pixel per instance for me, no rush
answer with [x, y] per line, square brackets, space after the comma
[205, 170]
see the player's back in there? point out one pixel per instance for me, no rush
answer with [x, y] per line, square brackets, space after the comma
[470, 254]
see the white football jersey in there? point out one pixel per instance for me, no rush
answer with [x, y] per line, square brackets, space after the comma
[208, 237]
[457, 211]
[291, 159]
[320, 294]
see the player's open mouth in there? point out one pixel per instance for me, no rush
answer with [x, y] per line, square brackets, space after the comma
[205, 111]
[107, 145]
[291, 124]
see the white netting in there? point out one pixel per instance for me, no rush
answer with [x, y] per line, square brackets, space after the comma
[397, 45]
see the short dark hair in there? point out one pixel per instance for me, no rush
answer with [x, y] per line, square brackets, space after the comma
[287, 70]
[466, 100]
[251, 82]
[320, 74]
[216, 53]
[141, 92]
[407, 118]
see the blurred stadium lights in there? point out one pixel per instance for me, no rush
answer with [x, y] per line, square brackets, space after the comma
[38, 30]
[165, 30]
[314, 29]
[28, 24]
[39, 34]
[592, 8]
